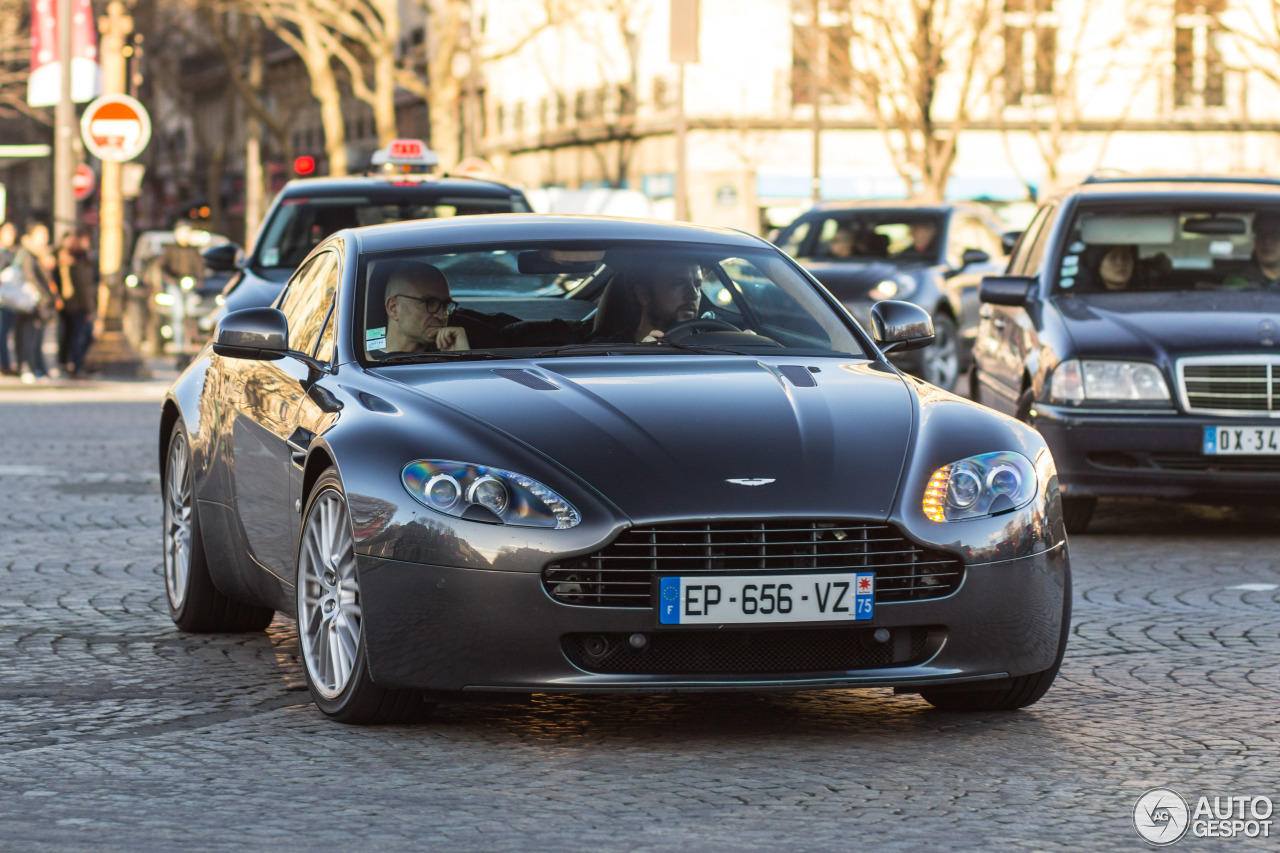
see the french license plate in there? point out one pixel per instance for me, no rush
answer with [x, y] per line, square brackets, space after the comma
[703, 600]
[1245, 441]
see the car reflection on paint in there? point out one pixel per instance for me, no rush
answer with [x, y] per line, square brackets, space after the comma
[754, 500]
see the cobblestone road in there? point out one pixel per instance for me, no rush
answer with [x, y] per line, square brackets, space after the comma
[118, 732]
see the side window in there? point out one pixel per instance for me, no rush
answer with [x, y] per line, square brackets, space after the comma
[1036, 257]
[1018, 263]
[795, 239]
[306, 305]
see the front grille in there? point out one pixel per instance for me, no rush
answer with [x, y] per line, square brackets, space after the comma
[622, 574]
[1231, 385]
[752, 652]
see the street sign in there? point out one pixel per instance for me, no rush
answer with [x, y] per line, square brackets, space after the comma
[115, 128]
[83, 182]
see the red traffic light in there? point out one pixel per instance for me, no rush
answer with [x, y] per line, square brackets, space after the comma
[304, 165]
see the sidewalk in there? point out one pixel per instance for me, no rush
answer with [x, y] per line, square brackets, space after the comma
[163, 372]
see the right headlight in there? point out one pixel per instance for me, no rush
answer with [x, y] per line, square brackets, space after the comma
[988, 484]
[1078, 381]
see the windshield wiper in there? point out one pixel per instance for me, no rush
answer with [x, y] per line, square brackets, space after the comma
[448, 355]
[623, 347]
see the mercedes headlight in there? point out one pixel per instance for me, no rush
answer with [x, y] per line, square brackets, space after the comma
[980, 485]
[899, 286]
[481, 493]
[1077, 381]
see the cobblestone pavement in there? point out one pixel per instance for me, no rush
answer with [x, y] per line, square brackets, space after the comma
[119, 732]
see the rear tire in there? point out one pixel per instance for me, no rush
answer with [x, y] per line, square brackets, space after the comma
[330, 616]
[195, 604]
[1008, 694]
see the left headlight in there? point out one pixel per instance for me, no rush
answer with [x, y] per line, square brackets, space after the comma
[980, 485]
[899, 286]
[482, 493]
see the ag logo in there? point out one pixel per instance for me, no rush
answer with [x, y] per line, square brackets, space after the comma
[1161, 816]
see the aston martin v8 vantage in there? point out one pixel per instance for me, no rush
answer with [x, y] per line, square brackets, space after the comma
[529, 454]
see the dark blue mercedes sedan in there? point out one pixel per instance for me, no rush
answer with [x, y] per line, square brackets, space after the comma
[1139, 331]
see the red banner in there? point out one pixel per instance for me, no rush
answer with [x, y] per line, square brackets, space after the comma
[44, 85]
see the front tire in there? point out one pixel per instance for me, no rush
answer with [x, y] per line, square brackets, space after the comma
[331, 618]
[195, 604]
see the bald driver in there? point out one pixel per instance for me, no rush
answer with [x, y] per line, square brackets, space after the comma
[419, 309]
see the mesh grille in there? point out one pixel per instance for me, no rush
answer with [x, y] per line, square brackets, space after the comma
[1235, 464]
[1217, 386]
[814, 650]
[623, 573]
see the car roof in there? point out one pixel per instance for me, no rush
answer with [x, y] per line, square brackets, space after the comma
[1179, 189]
[831, 206]
[516, 227]
[359, 185]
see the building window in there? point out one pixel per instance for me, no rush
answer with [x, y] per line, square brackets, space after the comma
[562, 109]
[1030, 49]
[517, 118]
[500, 119]
[661, 94]
[820, 58]
[1199, 77]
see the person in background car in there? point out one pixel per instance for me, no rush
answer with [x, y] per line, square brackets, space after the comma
[181, 267]
[1263, 270]
[1112, 267]
[923, 235]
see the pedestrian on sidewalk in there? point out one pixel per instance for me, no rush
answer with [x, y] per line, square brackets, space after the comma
[77, 283]
[37, 265]
[8, 357]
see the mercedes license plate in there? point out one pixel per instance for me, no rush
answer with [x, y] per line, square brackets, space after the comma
[1244, 441]
[704, 600]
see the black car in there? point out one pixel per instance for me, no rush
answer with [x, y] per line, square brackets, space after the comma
[751, 498]
[308, 210]
[930, 254]
[1137, 331]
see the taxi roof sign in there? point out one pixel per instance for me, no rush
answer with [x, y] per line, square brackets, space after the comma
[404, 156]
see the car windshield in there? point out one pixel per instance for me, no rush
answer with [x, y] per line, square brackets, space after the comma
[519, 300]
[893, 236]
[299, 224]
[1118, 250]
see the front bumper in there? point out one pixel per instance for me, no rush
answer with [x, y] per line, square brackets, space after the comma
[1160, 454]
[450, 629]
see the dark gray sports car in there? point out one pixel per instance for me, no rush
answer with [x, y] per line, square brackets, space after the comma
[519, 454]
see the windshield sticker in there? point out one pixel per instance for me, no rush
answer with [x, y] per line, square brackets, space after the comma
[1220, 247]
[375, 344]
[1067, 282]
[1077, 247]
[376, 332]
[1071, 261]
[270, 257]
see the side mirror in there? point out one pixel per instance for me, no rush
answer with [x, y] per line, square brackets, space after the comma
[1008, 240]
[973, 256]
[1013, 290]
[260, 334]
[221, 258]
[900, 326]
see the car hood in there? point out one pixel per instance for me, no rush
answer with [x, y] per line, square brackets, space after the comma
[1152, 325]
[663, 437]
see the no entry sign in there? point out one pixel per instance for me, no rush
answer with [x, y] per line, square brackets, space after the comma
[115, 128]
[83, 182]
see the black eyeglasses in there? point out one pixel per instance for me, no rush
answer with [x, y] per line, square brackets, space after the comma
[431, 304]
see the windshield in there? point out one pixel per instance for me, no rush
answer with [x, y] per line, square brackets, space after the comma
[1158, 249]
[520, 300]
[895, 236]
[300, 224]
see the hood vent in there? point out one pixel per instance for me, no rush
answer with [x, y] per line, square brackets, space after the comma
[525, 378]
[799, 376]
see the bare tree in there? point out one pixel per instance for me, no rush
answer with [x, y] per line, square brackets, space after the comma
[15, 62]
[921, 67]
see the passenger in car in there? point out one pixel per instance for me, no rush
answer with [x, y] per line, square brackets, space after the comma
[422, 316]
[1111, 267]
[1263, 269]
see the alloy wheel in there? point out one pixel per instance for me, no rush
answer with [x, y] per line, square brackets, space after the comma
[177, 521]
[329, 614]
[942, 357]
